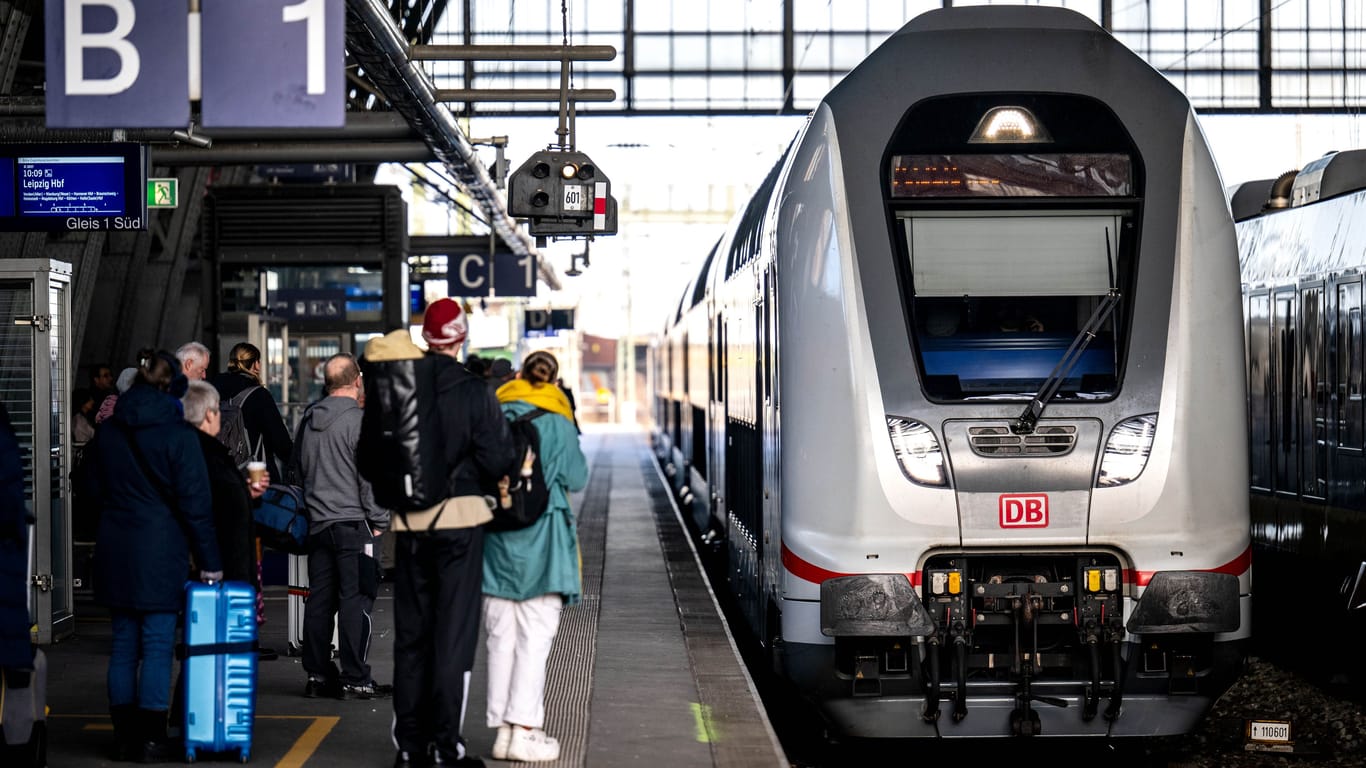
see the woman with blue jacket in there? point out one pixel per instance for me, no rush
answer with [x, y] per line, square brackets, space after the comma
[532, 573]
[155, 509]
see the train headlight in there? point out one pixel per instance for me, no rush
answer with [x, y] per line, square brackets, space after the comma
[1126, 452]
[917, 450]
[1009, 125]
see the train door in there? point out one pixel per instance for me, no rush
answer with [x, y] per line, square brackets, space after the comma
[1259, 372]
[1314, 386]
[1284, 415]
[743, 448]
[716, 442]
[1348, 461]
[772, 529]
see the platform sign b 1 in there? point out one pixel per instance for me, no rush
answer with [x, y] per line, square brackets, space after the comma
[127, 63]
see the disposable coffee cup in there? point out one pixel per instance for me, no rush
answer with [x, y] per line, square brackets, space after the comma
[256, 472]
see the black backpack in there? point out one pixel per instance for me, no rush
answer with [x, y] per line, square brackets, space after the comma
[402, 451]
[528, 495]
[233, 432]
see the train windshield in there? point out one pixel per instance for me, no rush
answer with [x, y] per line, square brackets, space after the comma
[999, 297]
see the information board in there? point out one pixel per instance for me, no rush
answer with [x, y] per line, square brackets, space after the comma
[61, 187]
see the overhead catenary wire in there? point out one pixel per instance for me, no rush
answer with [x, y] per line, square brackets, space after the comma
[438, 189]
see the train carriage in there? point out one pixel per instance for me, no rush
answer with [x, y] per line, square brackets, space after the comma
[972, 431]
[1302, 248]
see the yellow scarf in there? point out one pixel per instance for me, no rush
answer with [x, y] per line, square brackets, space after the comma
[547, 396]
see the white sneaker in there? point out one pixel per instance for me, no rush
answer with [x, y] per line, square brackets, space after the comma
[532, 746]
[500, 744]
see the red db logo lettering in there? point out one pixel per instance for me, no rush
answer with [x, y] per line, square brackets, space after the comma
[1023, 510]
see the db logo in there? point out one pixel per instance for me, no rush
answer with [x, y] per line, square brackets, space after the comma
[1023, 510]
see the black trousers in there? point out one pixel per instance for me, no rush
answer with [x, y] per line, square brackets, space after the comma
[438, 580]
[334, 593]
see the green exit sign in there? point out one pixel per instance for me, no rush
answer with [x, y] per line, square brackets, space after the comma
[163, 193]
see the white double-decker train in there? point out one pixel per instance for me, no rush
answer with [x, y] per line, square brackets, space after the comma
[959, 394]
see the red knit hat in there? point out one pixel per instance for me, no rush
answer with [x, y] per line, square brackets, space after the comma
[444, 324]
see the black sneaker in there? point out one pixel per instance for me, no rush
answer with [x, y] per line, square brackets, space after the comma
[371, 690]
[319, 688]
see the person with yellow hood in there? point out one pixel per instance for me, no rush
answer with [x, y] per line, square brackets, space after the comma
[530, 574]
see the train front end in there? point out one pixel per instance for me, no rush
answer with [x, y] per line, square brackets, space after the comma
[1040, 524]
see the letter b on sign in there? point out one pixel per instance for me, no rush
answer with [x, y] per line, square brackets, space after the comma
[1023, 510]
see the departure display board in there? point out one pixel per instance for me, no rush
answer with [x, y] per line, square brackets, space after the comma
[61, 187]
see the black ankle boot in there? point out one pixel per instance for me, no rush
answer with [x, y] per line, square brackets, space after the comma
[127, 731]
[155, 747]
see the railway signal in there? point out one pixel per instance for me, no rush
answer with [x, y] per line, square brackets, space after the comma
[563, 193]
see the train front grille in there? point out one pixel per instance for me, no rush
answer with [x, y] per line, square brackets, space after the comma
[999, 441]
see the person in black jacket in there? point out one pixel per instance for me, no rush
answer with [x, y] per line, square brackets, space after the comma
[260, 413]
[264, 425]
[232, 494]
[156, 508]
[438, 553]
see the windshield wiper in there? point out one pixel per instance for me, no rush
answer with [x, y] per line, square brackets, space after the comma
[1025, 424]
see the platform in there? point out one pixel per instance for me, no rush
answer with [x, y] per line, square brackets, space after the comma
[643, 671]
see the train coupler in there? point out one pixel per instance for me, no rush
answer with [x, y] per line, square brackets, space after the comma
[1024, 721]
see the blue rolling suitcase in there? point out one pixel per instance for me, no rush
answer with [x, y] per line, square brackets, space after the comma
[219, 668]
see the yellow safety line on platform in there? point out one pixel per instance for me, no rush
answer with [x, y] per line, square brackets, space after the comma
[706, 726]
[303, 748]
[308, 743]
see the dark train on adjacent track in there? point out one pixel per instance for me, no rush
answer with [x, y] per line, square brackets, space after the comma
[1302, 246]
[958, 396]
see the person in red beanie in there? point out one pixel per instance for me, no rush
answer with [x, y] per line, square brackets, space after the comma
[438, 554]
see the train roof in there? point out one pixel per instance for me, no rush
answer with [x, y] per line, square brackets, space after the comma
[1249, 198]
[1333, 175]
[1000, 17]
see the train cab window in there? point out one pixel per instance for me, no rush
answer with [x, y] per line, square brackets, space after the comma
[999, 297]
[1014, 242]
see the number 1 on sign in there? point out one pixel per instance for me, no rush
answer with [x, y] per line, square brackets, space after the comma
[528, 262]
[314, 12]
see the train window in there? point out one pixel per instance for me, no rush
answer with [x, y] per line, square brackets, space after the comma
[1047, 253]
[987, 328]
[1096, 174]
[1314, 386]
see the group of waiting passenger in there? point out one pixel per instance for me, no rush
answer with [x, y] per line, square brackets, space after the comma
[172, 501]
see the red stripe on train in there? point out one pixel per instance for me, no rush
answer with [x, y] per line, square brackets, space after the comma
[816, 574]
[1235, 567]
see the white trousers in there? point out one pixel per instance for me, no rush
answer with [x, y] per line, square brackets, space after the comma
[518, 635]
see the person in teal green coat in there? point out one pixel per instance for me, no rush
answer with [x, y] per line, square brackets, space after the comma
[532, 573]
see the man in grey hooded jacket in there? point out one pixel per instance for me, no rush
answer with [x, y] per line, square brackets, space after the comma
[344, 524]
